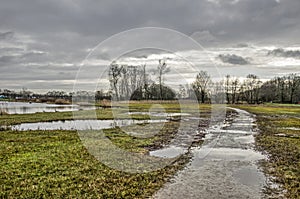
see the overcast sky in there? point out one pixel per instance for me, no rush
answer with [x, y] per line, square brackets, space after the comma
[43, 43]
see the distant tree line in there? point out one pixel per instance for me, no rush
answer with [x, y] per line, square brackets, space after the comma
[129, 82]
[284, 89]
[54, 96]
[251, 90]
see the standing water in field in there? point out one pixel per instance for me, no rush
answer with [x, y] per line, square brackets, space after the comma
[80, 124]
[225, 166]
[29, 108]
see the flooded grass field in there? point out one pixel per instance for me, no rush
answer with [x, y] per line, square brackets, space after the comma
[40, 157]
[29, 108]
[42, 154]
[279, 140]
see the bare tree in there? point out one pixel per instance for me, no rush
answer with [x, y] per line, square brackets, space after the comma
[234, 88]
[280, 84]
[132, 82]
[161, 70]
[115, 72]
[145, 83]
[293, 82]
[201, 84]
[227, 85]
[231, 89]
[218, 93]
[268, 91]
[182, 94]
[251, 88]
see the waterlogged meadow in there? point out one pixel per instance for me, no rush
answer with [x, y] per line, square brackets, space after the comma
[55, 164]
[279, 138]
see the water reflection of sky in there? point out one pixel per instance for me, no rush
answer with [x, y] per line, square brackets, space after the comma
[80, 124]
[26, 108]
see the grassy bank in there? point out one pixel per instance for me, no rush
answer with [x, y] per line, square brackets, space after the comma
[279, 138]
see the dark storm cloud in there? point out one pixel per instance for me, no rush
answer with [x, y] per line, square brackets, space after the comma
[279, 52]
[63, 31]
[6, 35]
[233, 59]
[242, 45]
[6, 59]
[100, 19]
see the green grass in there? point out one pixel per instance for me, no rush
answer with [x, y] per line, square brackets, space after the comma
[55, 164]
[282, 105]
[268, 109]
[283, 152]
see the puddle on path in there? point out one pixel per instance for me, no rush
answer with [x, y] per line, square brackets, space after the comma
[248, 176]
[225, 166]
[170, 152]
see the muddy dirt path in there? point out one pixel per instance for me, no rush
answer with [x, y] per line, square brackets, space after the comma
[225, 166]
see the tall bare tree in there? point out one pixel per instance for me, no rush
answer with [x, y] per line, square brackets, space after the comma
[293, 82]
[161, 70]
[218, 94]
[234, 88]
[227, 86]
[201, 85]
[145, 83]
[115, 72]
[251, 88]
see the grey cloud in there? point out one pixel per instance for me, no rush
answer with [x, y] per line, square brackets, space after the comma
[64, 29]
[143, 53]
[279, 52]
[21, 57]
[242, 45]
[233, 59]
[10, 50]
[89, 18]
[204, 37]
[6, 35]
[7, 59]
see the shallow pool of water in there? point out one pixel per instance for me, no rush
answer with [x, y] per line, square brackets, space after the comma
[28, 108]
[159, 114]
[79, 124]
[170, 152]
[291, 128]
